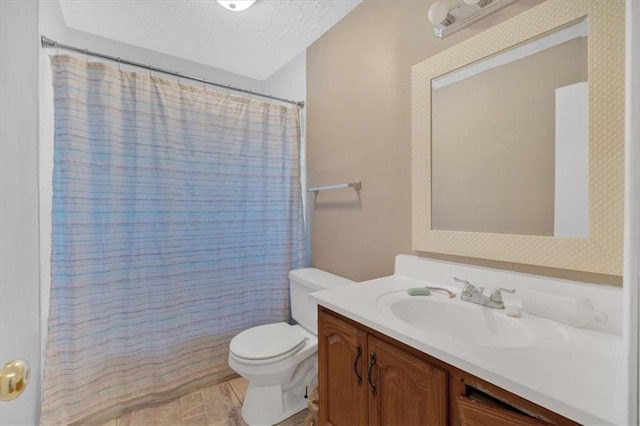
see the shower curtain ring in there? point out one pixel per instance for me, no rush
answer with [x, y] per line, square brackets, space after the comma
[86, 54]
[178, 74]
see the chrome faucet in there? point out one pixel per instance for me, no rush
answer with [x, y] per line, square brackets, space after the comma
[473, 294]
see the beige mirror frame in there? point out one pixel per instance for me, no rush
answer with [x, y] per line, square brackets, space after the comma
[602, 252]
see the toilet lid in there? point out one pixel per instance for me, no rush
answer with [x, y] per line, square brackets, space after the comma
[266, 341]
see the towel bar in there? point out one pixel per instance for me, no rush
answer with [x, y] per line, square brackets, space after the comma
[354, 185]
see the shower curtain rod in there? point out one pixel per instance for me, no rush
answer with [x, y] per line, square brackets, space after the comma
[47, 43]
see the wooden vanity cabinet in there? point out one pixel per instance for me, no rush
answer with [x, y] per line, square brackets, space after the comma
[367, 378]
[364, 380]
[342, 353]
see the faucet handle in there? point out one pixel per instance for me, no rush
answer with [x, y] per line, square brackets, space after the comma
[460, 280]
[496, 294]
[468, 288]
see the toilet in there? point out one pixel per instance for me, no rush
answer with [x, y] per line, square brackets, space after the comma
[280, 360]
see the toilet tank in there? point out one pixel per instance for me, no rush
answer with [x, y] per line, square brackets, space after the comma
[303, 282]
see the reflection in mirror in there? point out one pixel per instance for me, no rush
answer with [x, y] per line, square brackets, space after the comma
[510, 141]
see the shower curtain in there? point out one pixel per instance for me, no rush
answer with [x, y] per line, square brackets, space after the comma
[177, 215]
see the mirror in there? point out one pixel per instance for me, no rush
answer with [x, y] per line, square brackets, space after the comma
[543, 187]
[509, 143]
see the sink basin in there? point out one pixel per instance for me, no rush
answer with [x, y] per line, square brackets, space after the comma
[474, 324]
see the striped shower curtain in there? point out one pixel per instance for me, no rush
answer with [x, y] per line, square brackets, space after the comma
[177, 215]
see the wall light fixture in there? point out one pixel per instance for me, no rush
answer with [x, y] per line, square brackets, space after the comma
[448, 21]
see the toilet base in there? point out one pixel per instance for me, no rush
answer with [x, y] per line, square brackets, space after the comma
[270, 404]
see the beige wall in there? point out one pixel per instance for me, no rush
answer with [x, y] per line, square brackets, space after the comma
[359, 128]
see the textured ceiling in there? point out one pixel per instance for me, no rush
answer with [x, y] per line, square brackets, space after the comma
[254, 43]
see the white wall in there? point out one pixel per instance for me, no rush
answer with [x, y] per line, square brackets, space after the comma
[290, 82]
[19, 274]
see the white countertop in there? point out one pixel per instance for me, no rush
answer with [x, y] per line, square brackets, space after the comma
[583, 378]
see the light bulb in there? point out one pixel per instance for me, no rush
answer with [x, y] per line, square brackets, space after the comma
[236, 5]
[437, 13]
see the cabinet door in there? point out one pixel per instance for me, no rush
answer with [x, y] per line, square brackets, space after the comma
[342, 358]
[404, 390]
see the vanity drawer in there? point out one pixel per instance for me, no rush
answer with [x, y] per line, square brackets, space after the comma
[476, 413]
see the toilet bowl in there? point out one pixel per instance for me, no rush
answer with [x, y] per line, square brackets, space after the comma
[280, 360]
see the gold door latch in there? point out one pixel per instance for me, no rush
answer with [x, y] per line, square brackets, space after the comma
[14, 377]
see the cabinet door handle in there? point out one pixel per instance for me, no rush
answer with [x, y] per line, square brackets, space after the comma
[372, 362]
[355, 364]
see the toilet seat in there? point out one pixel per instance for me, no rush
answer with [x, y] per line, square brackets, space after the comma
[267, 343]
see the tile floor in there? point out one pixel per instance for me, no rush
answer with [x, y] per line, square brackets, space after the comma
[228, 397]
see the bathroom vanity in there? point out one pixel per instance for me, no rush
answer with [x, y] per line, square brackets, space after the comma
[382, 361]
[369, 378]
